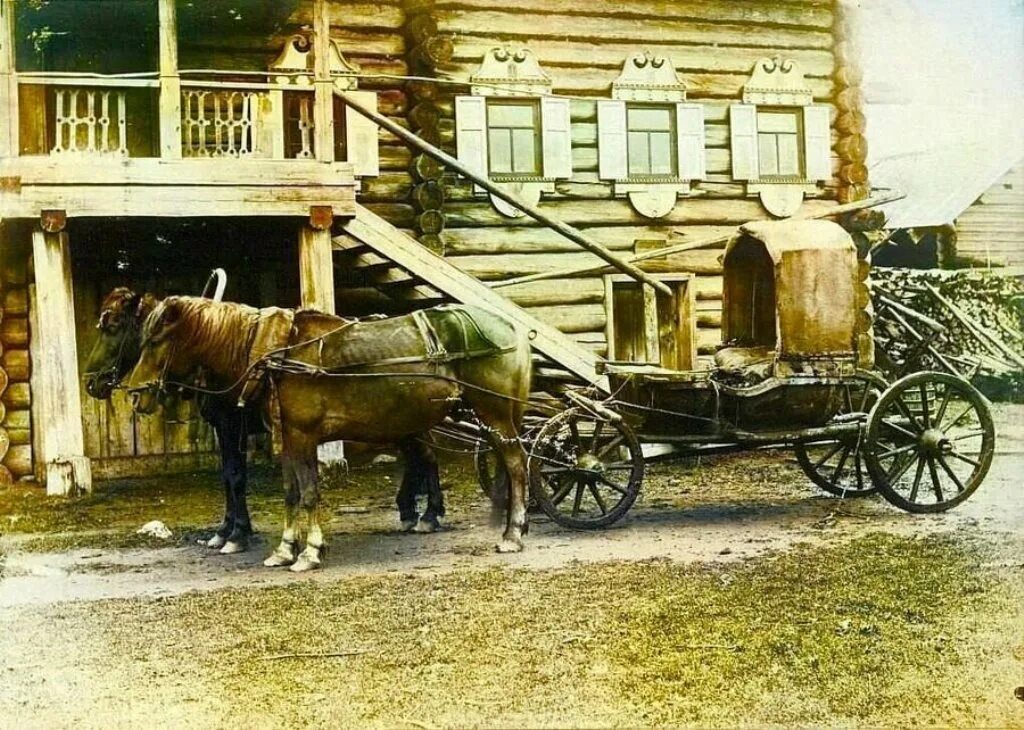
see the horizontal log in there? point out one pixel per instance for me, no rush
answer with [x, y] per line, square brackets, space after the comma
[19, 436]
[397, 214]
[497, 24]
[619, 212]
[18, 419]
[491, 268]
[16, 364]
[572, 318]
[465, 241]
[19, 460]
[383, 15]
[390, 186]
[720, 11]
[17, 396]
[14, 271]
[15, 302]
[14, 332]
[556, 291]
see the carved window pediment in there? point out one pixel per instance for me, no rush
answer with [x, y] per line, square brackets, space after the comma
[294, 66]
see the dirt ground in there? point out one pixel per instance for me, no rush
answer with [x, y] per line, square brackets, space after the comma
[733, 594]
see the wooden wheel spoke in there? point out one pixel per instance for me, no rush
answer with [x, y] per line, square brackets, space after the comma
[614, 485]
[839, 467]
[619, 466]
[849, 399]
[941, 413]
[965, 459]
[554, 470]
[925, 416]
[562, 493]
[968, 435]
[900, 429]
[832, 452]
[898, 469]
[936, 482]
[575, 431]
[614, 443]
[964, 412]
[598, 498]
[901, 404]
[952, 475]
[858, 465]
[917, 479]
[578, 499]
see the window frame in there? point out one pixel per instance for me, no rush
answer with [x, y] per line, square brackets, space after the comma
[673, 138]
[538, 139]
[796, 112]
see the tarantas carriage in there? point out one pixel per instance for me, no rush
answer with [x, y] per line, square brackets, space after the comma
[792, 373]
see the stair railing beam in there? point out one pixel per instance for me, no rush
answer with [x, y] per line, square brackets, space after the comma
[573, 234]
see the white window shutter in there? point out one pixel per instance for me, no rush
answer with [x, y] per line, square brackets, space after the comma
[612, 160]
[817, 142]
[361, 136]
[690, 146]
[471, 132]
[743, 136]
[556, 137]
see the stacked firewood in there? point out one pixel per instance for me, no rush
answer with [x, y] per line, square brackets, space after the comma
[966, 321]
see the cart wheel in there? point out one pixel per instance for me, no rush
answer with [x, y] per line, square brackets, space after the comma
[585, 470]
[929, 442]
[837, 465]
[490, 469]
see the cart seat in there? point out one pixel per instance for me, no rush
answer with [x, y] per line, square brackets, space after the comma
[744, 365]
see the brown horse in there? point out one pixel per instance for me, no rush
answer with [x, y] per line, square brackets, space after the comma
[377, 381]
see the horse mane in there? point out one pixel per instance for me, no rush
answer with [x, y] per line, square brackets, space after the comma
[218, 333]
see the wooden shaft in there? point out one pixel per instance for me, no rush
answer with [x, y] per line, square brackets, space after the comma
[316, 269]
[691, 245]
[323, 85]
[573, 234]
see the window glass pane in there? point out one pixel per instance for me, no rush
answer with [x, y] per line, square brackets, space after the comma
[510, 115]
[524, 151]
[776, 122]
[661, 153]
[789, 155]
[500, 150]
[767, 154]
[639, 156]
[644, 118]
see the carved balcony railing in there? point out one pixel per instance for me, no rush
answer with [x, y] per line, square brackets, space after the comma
[221, 123]
[89, 121]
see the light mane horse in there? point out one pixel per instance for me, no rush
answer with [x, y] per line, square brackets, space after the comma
[389, 385]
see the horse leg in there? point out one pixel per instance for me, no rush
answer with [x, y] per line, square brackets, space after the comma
[517, 523]
[284, 554]
[236, 473]
[430, 481]
[407, 491]
[309, 487]
[224, 440]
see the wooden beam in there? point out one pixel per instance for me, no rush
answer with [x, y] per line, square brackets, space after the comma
[323, 85]
[9, 119]
[170, 82]
[67, 469]
[316, 269]
[573, 234]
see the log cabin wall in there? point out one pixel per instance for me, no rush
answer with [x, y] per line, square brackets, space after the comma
[15, 371]
[714, 45]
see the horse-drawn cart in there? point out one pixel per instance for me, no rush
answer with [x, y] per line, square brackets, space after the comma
[789, 375]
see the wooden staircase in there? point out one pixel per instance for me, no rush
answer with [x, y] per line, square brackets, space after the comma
[399, 266]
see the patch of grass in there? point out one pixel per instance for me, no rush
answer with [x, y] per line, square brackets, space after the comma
[882, 630]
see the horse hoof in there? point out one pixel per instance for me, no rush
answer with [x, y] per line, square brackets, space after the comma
[282, 556]
[214, 543]
[304, 563]
[510, 546]
[231, 547]
[408, 525]
[425, 527]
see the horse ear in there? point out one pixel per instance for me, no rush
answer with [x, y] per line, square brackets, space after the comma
[172, 310]
[146, 304]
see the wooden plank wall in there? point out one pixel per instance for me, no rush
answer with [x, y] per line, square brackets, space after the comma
[992, 230]
[713, 43]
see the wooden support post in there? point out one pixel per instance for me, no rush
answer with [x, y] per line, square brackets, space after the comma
[170, 82]
[316, 266]
[323, 89]
[8, 83]
[67, 469]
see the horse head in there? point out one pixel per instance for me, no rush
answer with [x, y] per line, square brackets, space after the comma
[116, 349]
[156, 355]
